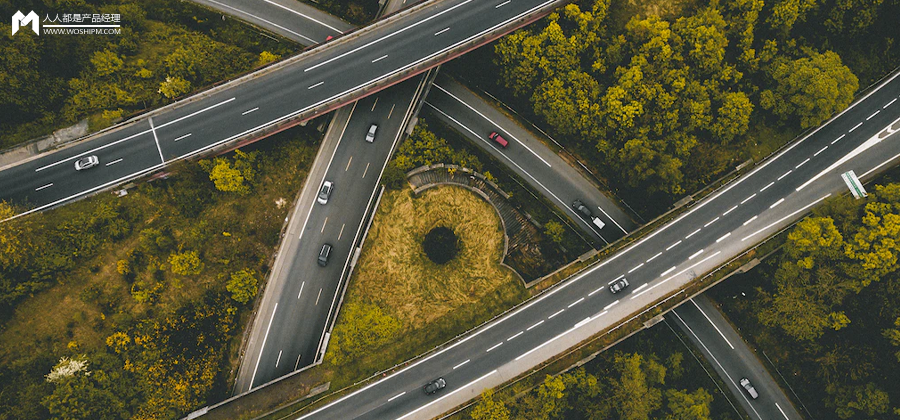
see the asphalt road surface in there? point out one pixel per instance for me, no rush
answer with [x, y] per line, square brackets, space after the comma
[294, 313]
[321, 79]
[528, 157]
[296, 332]
[733, 360]
[744, 212]
[289, 18]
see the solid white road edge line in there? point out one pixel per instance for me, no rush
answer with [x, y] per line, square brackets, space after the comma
[492, 122]
[265, 337]
[466, 386]
[301, 14]
[713, 324]
[710, 353]
[787, 217]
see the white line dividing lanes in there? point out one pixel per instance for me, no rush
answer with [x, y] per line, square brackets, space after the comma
[115, 162]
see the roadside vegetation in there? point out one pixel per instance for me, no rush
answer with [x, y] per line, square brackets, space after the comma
[661, 98]
[646, 377]
[826, 308]
[167, 49]
[399, 302]
[133, 307]
[433, 142]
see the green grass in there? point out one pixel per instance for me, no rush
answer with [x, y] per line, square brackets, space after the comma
[433, 302]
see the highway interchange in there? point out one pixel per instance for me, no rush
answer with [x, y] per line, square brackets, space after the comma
[319, 80]
[741, 214]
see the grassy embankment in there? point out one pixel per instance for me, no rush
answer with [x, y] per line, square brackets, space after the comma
[422, 303]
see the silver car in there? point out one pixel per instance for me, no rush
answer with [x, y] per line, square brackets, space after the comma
[325, 192]
[618, 285]
[86, 162]
[370, 136]
[749, 388]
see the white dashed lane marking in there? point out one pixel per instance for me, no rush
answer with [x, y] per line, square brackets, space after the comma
[729, 211]
[785, 174]
[45, 186]
[751, 219]
[855, 127]
[776, 203]
[692, 233]
[767, 186]
[801, 164]
[820, 151]
[748, 198]
[838, 139]
[873, 115]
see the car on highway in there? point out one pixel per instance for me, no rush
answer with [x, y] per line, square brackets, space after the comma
[749, 388]
[434, 386]
[579, 206]
[86, 162]
[618, 285]
[582, 209]
[370, 136]
[497, 138]
[324, 254]
[325, 192]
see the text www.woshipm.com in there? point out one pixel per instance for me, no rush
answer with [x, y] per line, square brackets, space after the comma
[83, 31]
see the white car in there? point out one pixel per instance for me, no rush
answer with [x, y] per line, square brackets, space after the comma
[325, 192]
[86, 162]
[749, 388]
[370, 136]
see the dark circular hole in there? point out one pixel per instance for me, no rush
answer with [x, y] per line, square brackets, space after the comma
[441, 244]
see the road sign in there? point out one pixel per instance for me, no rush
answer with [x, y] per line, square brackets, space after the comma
[856, 187]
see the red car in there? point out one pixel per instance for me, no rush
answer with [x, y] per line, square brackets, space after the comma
[496, 137]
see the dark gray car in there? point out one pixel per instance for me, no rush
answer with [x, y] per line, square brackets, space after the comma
[582, 209]
[324, 254]
[434, 386]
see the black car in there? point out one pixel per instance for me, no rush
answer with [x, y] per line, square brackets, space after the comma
[582, 209]
[434, 386]
[324, 253]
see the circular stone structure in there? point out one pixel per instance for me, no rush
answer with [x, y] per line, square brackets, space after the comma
[441, 244]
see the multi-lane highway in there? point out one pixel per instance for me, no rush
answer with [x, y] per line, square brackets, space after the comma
[773, 195]
[526, 156]
[732, 359]
[298, 329]
[316, 81]
[301, 294]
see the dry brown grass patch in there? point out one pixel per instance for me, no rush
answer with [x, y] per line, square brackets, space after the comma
[395, 273]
